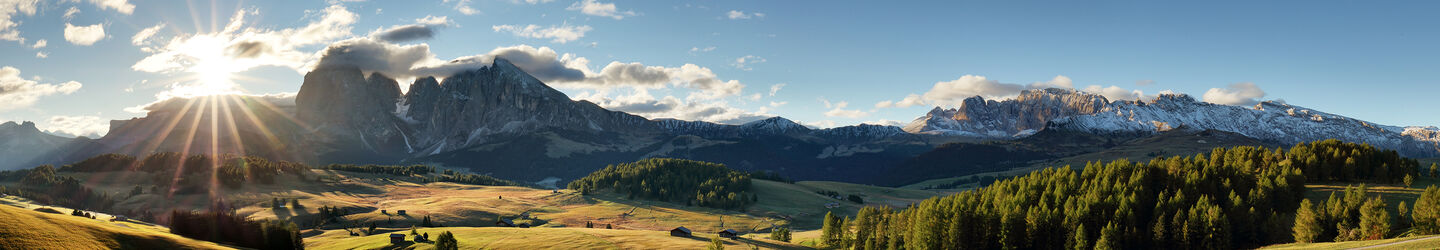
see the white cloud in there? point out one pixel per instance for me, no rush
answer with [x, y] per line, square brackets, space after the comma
[42, 54]
[237, 48]
[90, 126]
[737, 14]
[909, 101]
[838, 110]
[142, 38]
[744, 62]
[820, 124]
[1115, 92]
[694, 50]
[776, 88]
[1059, 81]
[643, 104]
[39, 44]
[532, 1]
[70, 13]
[84, 35]
[952, 93]
[558, 34]
[1245, 93]
[1145, 82]
[17, 92]
[122, 6]
[9, 10]
[884, 122]
[593, 8]
[463, 6]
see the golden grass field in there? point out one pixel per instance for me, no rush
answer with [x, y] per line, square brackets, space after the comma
[22, 228]
[540, 238]
[472, 210]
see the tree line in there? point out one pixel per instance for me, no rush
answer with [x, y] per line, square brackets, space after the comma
[227, 227]
[673, 180]
[43, 185]
[1230, 198]
[423, 170]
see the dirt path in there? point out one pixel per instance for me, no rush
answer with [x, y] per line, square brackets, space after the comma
[1398, 243]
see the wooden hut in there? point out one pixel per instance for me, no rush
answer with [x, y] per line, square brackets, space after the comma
[680, 232]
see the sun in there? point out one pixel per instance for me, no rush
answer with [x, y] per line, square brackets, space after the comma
[213, 72]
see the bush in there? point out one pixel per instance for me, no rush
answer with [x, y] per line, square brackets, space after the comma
[446, 241]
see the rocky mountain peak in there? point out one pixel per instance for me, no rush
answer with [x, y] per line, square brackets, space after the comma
[1020, 116]
[23, 126]
[773, 125]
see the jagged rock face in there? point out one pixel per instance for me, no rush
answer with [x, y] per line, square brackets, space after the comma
[1078, 111]
[501, 100]
[21, 143]
[1018, 117]
[1269, 121]
[351, 112]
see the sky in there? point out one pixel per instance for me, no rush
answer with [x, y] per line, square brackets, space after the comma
[71, 66]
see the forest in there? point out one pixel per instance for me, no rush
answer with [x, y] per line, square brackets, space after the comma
[227, 227]
[673, 180]
[1230, 198]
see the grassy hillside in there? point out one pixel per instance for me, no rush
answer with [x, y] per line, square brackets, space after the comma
[1415, 242]
[541, 238]
[27, 229]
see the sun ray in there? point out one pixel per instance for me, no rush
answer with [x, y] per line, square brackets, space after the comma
[185, 150]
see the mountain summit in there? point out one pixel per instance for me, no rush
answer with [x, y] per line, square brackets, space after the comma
[1071, 110]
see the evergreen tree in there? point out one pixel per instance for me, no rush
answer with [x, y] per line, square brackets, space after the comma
[1403, 214]
[1425, 215]
[716, 244]
[446, 241]
[1080, 241]
[780, 234]
[1434, 172]
[830, 230]
[1374, 220]
[1309, 223]
[1109, 238]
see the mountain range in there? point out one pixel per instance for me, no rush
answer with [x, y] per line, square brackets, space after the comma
[500, 120]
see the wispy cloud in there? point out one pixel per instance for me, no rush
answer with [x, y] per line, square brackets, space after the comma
[594, 8]
[737, 15]
[557, 34]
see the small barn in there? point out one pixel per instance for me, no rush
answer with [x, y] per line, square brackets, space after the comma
[397, 238]
[505, 223]
[729, 233]
[400, 212]
[680, 232]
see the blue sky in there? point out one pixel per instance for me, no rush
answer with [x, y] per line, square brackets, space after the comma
[830, 63]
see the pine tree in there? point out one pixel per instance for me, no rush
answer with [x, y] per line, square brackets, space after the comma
[1434, 171]
[1080, 241]
[780, 234]
[1409, 180]
[1109, 238]
[447, 241]
[1426, 212]
[716, 244]
[1309, 223]
[1403, 214]
[830, 231]
[1374, 220]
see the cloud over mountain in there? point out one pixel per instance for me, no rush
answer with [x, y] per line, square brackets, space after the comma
[1245, 93]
